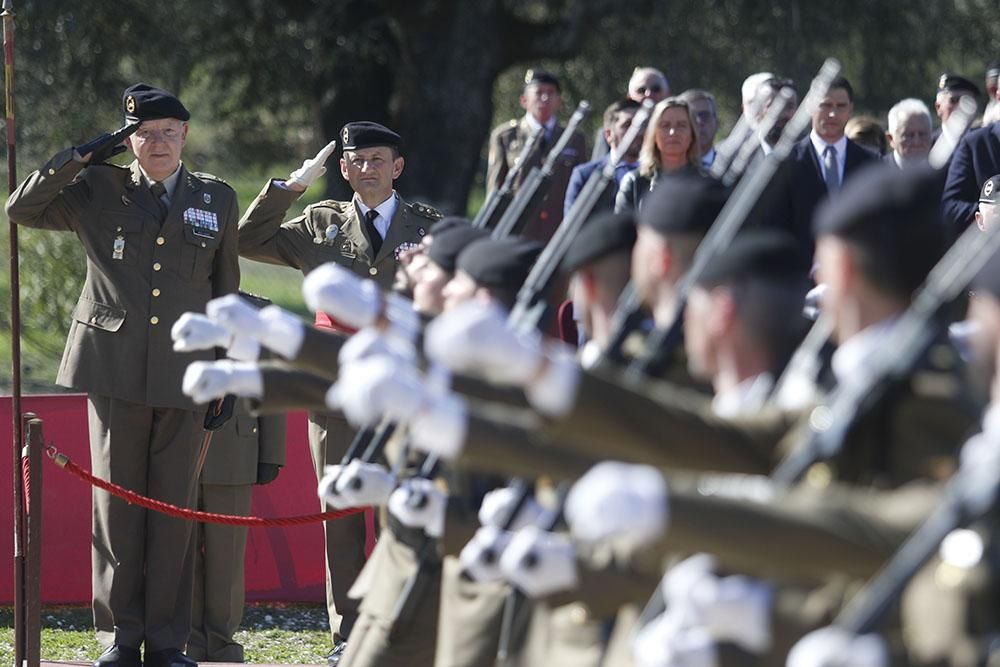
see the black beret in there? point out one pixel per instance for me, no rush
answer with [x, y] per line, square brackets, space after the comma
[989, 194]
[954, 82]
[500, 263]
[893, 213]
[763, 254]
[448, 222]
[365, 134]
[601, 236]
[534, 76]
[144, 102]
[683, 204]
[448, 244]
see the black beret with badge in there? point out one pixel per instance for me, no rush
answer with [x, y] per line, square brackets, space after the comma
[601, 236]
[536, 76]
[763, 254]
[895, 214]
[447, 245]
[366, 134]
[683, 204]
[989, 194]
[144, 102]
[953, 83]
[500, 263]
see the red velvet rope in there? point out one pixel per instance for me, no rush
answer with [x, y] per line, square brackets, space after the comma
[204, 517]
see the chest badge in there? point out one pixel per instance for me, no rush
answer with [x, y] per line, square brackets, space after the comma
[118, 249]
[207, 198]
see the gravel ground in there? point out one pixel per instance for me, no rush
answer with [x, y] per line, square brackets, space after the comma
[275, 634]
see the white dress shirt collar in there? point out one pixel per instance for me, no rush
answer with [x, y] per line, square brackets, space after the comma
[386, 210]
[820, 147]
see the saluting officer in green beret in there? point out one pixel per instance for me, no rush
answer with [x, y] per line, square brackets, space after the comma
[366, 235]
[160, 241]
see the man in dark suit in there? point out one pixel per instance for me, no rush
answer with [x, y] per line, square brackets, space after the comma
[617, 120]
[818, 166]
[976, 158]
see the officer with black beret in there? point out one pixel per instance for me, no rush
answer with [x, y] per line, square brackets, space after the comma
[160, 240]
[950, 90]
[367, 235]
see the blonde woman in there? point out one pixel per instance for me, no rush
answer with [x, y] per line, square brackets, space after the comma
[670, 146]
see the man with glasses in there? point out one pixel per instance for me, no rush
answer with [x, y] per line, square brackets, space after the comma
[366, 235]
[646, 83]
[702, 106]
[160, 241]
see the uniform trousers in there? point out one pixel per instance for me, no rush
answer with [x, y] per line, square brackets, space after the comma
[219, 582]
[470, 619]
[142, 562]
[329, 438]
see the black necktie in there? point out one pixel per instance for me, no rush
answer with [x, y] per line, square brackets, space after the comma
[158, 190]
[373, 235]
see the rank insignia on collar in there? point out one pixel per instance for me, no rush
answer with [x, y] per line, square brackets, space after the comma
[421, 231]
[207, 198]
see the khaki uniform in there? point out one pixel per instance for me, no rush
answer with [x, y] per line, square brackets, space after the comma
[506, 142]
[144, 433]
[226, 486]
[331, 231]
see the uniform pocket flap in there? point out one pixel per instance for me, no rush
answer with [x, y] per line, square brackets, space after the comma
[246, 426]
[121, 222]
[201, 237]
[100, 315]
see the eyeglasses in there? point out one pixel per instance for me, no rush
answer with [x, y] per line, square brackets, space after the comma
[166, 134]
[655, 88]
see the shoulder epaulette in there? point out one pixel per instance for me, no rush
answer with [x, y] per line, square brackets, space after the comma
[210, 177]
[332, 203]
[425, 211]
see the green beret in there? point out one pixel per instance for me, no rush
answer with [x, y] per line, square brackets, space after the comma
[602, 235]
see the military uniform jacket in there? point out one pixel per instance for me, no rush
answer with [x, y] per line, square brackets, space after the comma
[140, 275]
[328, 231]
[506, 142]
[242, 443]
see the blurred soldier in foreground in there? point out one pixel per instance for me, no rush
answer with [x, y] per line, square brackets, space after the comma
[160, 240]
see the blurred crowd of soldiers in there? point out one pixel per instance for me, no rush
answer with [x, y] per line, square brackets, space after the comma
[689, 402]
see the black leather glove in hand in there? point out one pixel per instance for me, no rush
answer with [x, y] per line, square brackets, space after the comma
[267, 472]
[106, 146]
[219, 412]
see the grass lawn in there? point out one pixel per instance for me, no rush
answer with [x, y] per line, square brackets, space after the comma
[275, 634]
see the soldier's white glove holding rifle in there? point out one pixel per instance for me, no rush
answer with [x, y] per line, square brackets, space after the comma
[474, 339]
[272, 326]
[358, 302]
[194, 331]
[207, 380]
[310, 171]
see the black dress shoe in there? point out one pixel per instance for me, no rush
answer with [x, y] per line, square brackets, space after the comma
[334, 656]
[119, 656]
[168, 657]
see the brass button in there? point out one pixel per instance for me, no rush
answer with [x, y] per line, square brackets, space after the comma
[372, 271]
[52, 172]
[253, 430]
[118, 229]
[156, 266]
[154, 320]
[203, 244]
[156, 291]
[160, 240]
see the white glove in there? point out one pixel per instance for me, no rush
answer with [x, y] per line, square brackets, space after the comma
[474, 338]
[207, 380]
[814, 302]
[418, 503]
[440, 426]
[372, 342]
[832, 646]
[357, 484]
[311, 169]
[736, 609]
[618, 500]
[378, 387]
[497, 506]
[480, 558]
[539, 563]
[193, 331]
[664, 642]
[334, 290]
[274, 327]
